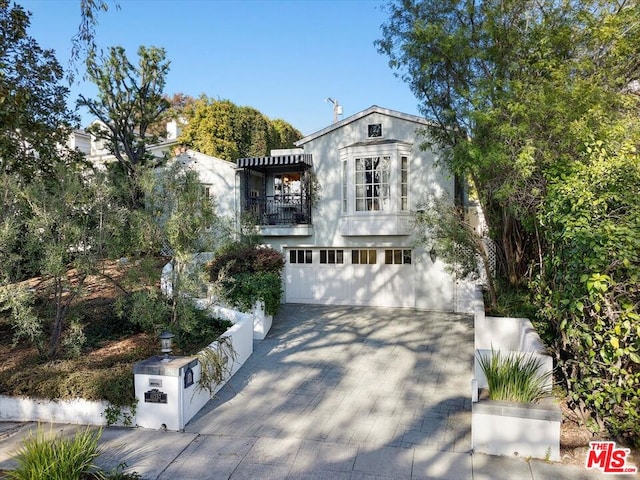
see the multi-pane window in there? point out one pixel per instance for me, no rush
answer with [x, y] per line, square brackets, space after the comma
[397, 257]
[331, 256]
[404, 183]
[372, 183]
[300, 256]
[363, 257]
[287, 187]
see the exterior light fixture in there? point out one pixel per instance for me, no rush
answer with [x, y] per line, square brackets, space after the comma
[166, 344]
[432, 254]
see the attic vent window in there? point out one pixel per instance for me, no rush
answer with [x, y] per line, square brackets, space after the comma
[375, 130]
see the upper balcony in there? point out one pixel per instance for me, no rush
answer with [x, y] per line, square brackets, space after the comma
[275, 192]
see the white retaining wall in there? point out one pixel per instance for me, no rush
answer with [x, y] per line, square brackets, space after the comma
[184, 402]
[505, 428]
[85, 412]
[76, 411]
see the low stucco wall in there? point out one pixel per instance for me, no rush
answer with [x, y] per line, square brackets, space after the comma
[76, 411]
[505, 428]
[509, 336]
[85, 412]
[524, 430]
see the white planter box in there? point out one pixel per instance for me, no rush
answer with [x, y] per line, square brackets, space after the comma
[505, 428]
[261, 321]
[517, 429]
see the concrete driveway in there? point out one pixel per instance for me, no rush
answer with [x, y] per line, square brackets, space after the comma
[334, 392]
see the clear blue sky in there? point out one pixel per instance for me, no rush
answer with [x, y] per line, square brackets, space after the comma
[282, 57]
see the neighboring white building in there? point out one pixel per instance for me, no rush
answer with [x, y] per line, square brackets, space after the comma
[353, 245]
[217, 176]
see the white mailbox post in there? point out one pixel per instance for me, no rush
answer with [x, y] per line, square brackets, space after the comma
[163, 388]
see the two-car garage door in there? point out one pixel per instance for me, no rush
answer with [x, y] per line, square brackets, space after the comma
[366, 276]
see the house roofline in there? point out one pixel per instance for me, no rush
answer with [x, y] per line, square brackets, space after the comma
[196, 155]
[359, 115]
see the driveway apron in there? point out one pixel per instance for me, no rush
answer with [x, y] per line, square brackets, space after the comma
[343, 392]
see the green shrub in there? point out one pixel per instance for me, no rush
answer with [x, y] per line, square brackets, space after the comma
[150, 311]
[145, 309]
[514, 377]
[589, 291]
[246, 274]
[232, 260]
[245, 289]
[50, 457]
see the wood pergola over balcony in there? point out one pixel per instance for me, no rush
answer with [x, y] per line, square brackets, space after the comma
[275, 189]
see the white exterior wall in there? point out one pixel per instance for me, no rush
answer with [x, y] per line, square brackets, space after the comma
[220, 176]
[423, 284]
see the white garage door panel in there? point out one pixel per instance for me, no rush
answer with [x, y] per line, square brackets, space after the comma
[331, 284]
[347, 284]
[299, 283]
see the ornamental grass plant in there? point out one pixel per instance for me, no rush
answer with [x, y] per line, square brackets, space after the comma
[46, 456]
[514, 377]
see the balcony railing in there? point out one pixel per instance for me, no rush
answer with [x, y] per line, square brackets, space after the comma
[293, 209]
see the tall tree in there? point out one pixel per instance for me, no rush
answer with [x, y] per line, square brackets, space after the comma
[504, 81]
[83, 42]
[34, 118]
[130, 100]
[222, 129]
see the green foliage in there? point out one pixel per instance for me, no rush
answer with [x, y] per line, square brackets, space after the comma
[590, 285]
[152, 312]
[118, 473]
[222, 129]
[45, 456]
[130, 100]
[184, 215]
[514, 377]
[74, 339]
[60, 231]
[146, 309]
[34, 118]
[537, 103]
[440, 225]
[244, 289]
[244, 274]
[216, 363]
[26, 324]
[510, 87]
[125, 413]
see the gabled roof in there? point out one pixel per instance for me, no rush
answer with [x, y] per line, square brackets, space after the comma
[359, 115]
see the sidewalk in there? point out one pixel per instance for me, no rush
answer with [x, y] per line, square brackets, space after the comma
[191, 456]
[332, 393]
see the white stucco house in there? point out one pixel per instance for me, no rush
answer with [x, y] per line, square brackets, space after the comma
[350, 240]
[339, 207]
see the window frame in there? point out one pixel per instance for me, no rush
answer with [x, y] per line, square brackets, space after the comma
[399, 180]
[398, 256]
[370, 256]
[372, 183]
[301, 256]
[331, 256]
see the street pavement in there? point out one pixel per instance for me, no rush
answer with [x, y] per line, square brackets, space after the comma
[339, 393]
